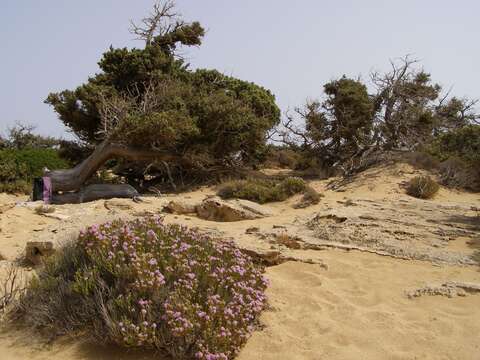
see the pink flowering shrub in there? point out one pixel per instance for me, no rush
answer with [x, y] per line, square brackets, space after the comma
[143, 283]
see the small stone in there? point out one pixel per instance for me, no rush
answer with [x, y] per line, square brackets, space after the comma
[56, 216]
[252, 230]
[179, 207]
[216, 209]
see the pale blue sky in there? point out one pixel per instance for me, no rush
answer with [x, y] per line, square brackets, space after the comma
[290, 47]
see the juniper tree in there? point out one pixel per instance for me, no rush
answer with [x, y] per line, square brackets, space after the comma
[147, 104]
[338, 127]
[406, 111]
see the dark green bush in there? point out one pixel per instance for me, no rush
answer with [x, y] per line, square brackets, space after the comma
[291, 186]
[146, 284]
[463, 143]
[422, 187]
[16, 187]
[18, 167]
[459, 151]
[261, 191]
[282, 157]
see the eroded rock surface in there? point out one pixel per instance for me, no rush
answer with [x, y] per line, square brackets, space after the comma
[180, 207]
[409, 229]
[216, 209]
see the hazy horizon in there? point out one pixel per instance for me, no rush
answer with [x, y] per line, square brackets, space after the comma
[290, 49]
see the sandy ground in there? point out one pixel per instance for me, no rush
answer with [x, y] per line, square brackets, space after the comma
[326, 303]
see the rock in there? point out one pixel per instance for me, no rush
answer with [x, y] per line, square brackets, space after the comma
[117, 204]
[179, 207]
[252, 230]
[56, 216]
[216, 209]
[267, 258]
[36, 251]
[449, 289]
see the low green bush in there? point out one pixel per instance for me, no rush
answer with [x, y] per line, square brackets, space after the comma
[282, 157]
[463, 143]
[16, 187]
[261, 191]
[291, 186]
[19, 167]
[422, 187]
[459, 151]
[146, 284]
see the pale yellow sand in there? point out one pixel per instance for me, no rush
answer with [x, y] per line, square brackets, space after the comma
[356, 308]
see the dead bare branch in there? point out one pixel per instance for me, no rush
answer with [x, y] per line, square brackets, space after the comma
[12, 286]
[162, 20]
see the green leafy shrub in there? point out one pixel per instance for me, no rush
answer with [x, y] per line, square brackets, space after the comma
[423, 187]
[459, 151]
[16, 187]
[291, 186]
[261, 191]
[282, 157]
[18, 167]
[147, 284]
[463, 143]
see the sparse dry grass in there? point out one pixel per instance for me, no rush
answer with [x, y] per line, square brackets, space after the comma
[422, 187]
[292, 242]
[310, 197]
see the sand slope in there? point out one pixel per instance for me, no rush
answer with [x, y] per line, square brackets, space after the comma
[327, 303]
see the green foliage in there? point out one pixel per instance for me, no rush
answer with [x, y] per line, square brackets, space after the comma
[340, 125]
[422, 187]
[291, 186]
[261, 191]
[16, 187]
[463, 143]
[351, 127]
[282, 157]
[404, 101]
[22, 136]
[18, 167]
[146, 284]
[201, 116]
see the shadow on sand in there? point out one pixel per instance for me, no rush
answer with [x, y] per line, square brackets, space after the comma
[21, 344]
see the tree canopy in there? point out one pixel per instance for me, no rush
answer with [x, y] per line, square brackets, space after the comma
[405, 111]
[149, 98]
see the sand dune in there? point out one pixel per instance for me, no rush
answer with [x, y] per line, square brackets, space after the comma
[325, 303]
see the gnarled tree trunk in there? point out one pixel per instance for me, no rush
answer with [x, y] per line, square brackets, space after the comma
[95, 192]
[73, 179]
